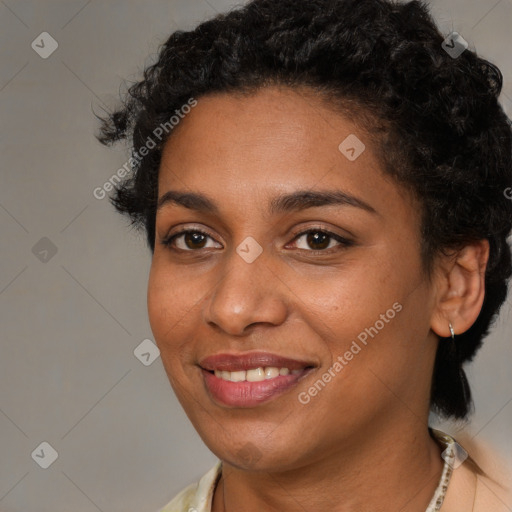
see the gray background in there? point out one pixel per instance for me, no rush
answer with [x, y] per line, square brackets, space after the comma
[70, 325]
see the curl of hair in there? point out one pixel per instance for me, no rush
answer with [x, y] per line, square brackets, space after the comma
[435, 121]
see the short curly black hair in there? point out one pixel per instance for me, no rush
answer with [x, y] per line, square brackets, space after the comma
[439, 129]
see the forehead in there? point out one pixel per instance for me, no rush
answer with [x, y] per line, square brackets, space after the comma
[277, 128]
[274, 140]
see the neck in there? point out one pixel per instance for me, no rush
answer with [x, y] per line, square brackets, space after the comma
[384, 471]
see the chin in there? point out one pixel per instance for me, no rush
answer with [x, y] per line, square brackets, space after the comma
[253, 456]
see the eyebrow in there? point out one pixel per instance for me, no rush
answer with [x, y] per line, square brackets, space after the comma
[295, 201]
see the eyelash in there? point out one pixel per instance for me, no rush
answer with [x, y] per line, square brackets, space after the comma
[344, 243]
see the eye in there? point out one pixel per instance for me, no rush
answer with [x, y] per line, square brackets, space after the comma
[319, 240]
[315, 241]
[188, 240]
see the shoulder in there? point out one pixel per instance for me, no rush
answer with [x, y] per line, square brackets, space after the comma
[182, 501]
[492, 496]
[470, 490]
[196, 497]
[481, 483]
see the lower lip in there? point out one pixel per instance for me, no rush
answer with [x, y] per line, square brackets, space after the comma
[249, 394]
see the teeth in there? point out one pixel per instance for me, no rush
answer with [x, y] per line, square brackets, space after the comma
[272, 372]
[254, 374]
[238, 376]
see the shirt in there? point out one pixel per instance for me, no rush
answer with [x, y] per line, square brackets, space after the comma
[469, 492]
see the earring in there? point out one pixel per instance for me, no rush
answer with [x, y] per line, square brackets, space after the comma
[452, 332]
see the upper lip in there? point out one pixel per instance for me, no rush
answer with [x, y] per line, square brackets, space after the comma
[246, 361]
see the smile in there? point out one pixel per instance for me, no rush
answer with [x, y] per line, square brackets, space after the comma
[251, 379]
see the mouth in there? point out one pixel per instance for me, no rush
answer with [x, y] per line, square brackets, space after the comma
[251, 379]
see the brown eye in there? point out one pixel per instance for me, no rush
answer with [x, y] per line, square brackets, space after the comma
[320, 240]
[194, 240]
[188, 240]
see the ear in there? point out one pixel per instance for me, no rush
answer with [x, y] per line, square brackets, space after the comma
[460, 288]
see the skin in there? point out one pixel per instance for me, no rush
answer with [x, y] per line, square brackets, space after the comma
[367, 428]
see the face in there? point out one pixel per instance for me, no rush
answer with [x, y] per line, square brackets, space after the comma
[290, 325]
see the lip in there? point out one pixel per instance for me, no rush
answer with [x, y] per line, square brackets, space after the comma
[250, 394]
[246, 361]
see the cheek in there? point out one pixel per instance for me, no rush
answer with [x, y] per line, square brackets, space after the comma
[349, 297]
[169, 310]
[160, 302]
[175, 297]
[167, 306]
[358, 313]
[171, 299]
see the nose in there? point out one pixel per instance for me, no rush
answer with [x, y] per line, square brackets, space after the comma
[246, 294]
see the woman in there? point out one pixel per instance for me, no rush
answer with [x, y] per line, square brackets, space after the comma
[322, 184]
